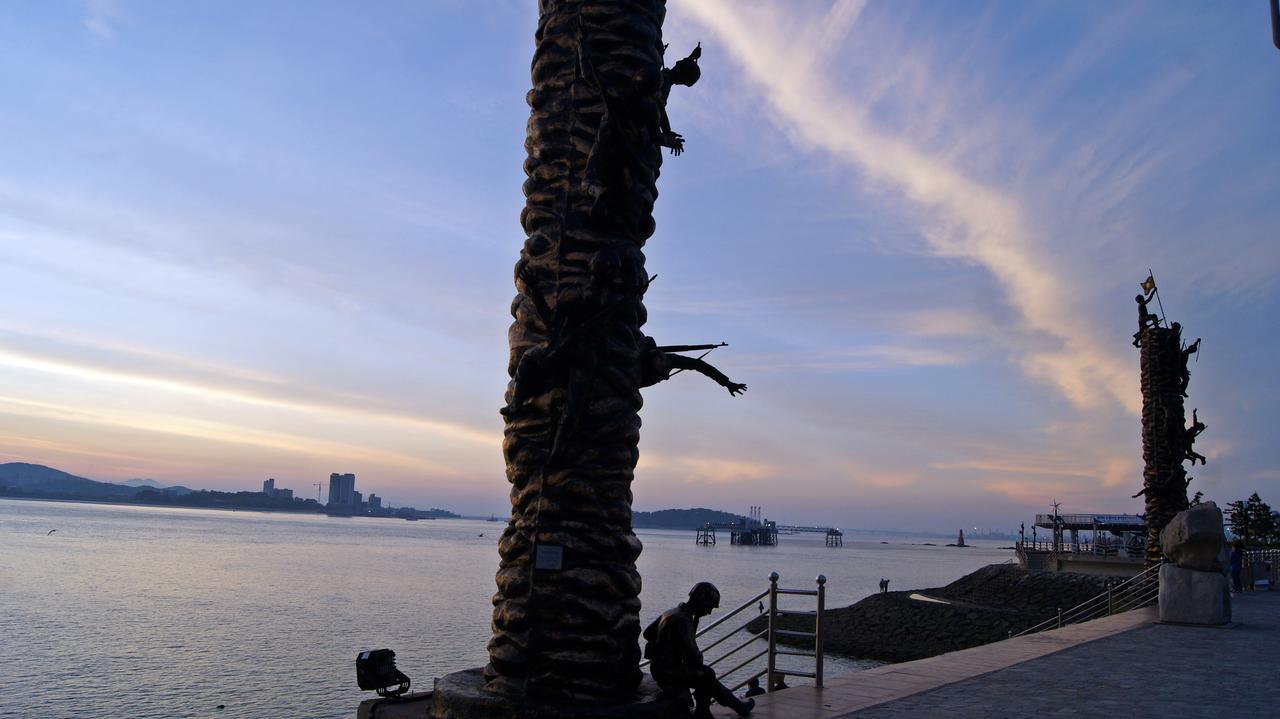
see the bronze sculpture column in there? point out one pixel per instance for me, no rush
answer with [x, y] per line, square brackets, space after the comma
[566, 621]
[1166, 441]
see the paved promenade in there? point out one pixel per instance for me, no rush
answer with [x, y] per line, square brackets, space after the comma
[1126, 665]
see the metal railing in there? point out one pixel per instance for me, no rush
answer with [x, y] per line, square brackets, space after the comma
[769, 635]
[1261, 564]
[1106, 549]
[1133, 593]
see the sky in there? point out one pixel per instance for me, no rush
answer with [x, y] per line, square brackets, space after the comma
[276, 239]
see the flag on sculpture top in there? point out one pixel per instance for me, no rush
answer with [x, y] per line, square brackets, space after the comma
[1149, 284]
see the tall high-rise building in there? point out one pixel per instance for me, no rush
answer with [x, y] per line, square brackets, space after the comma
[269, 487]
[375, 502]
[342, 489]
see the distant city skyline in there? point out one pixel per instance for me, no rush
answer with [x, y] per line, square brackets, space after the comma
[246, 242]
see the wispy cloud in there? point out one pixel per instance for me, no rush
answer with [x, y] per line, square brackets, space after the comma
[101, 14]
[852, 359]
[172, 374]
[707, 469]
[965, 218]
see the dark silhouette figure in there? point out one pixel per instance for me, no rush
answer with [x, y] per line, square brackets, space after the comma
[1237, 565]
[1184, 378]
[635, 116]
[1145, 318]
[676, 662]
[569, 352]
[884, 585]
[1192, 432]
[660, 364]
[685, 72]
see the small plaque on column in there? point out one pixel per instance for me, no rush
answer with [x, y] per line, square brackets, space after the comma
[549, 556]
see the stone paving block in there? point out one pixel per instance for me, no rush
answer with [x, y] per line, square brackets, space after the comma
[1089, 670]
[1217, 672]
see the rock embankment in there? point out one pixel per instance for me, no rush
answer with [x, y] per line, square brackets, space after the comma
[982, 607]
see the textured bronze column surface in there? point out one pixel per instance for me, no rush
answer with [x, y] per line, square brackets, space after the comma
[566, 613]
[1164, 443]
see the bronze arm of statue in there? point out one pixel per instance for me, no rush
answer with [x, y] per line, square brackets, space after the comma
[676, 361]
[657, 365]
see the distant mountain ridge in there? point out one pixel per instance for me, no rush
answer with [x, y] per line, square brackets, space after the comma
[36, 481]
[39, 478]
[682, 518]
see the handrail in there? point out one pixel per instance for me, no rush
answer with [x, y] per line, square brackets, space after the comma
[750, 659]
[727, 654]
[726, 617]
[1137, 591]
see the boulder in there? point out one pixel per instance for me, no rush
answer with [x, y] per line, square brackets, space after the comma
[1194, 539]
[1188, 596]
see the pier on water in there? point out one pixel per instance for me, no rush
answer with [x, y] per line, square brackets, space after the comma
[756, 531]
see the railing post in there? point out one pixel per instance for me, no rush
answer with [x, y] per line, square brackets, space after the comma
[817, 630]
[1059, 617]
[773, 628]
[1111, 606]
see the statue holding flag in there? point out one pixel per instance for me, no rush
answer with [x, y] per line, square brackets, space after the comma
[1146, 318]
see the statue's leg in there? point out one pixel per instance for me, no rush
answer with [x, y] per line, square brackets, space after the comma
[709, 687]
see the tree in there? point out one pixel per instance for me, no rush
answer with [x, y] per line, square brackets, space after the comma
[1261, 523]
[1238, 520]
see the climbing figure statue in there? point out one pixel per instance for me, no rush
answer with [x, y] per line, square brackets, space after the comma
[685, 72]
[1184, 378]
[660, 363]
[1192, 432]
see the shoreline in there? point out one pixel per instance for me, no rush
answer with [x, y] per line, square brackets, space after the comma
[223, 508]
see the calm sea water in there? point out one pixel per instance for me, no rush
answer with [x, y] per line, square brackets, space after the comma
[159, 612]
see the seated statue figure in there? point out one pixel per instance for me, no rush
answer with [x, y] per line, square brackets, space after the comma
[676, 663]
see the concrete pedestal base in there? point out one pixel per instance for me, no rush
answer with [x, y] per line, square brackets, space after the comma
[408, 706]
[1188, 596]
[462, 695]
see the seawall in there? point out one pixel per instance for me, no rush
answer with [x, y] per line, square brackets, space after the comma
[982, 607]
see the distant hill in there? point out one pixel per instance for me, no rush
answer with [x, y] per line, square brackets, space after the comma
[40, 479]
[20, 479]
[681, 518]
